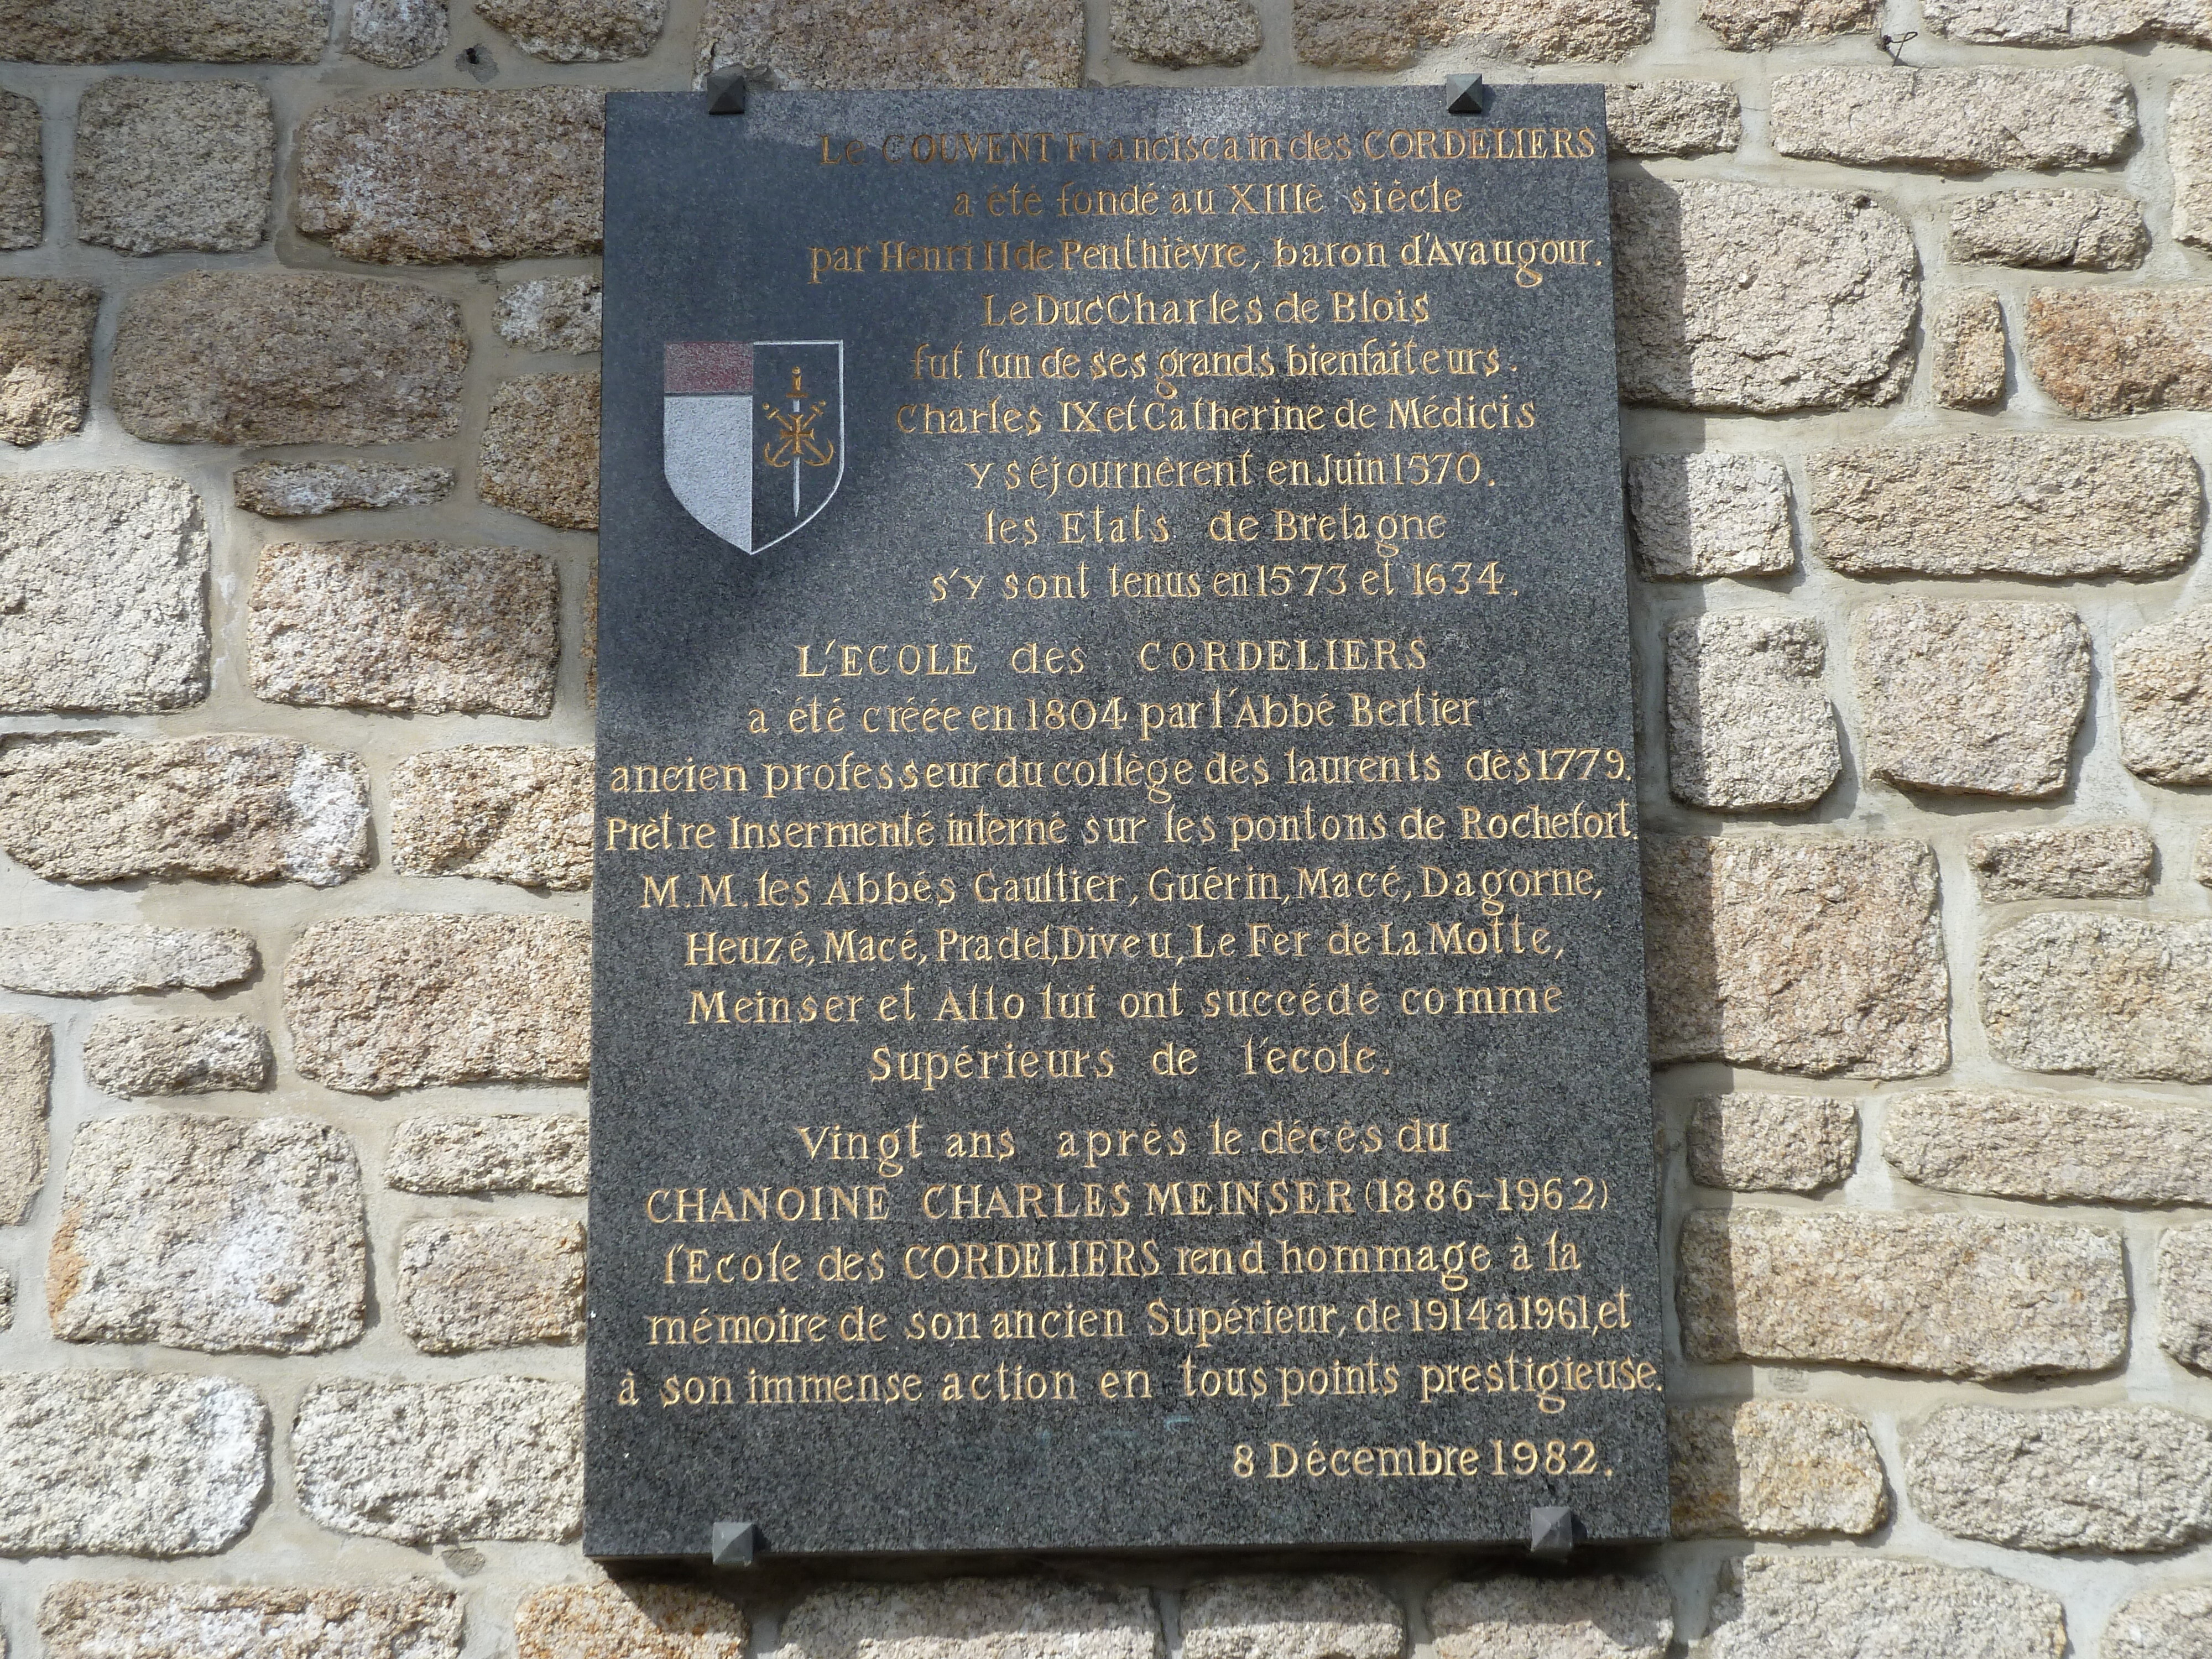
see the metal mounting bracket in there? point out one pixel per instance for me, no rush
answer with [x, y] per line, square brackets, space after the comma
[1464, 95]
[726, 93]
[734, 1543]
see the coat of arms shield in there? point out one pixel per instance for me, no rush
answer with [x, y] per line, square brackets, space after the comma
[753, 434]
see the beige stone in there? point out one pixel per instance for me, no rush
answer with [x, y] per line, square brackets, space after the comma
[504, 1284]
[412, 626]
[45, 358]
[974, 1619]
[1954, 120]
[167, 164]
[551, 313]
[1862, 1606]
[89, 808]
[833, 45]
[2203, 867]
[396, 33]
[1510, 1617]
[1755, 25]
[104, 959]
[2162, 682]
[1184, 33]
[184, 1478]
[1971, 1296]
[2009, 1144]
[1763, 301]
[2105, 351]
[2069, 22]
[493, 1457]
[541, 450]
[2012, 503]
[1389, 35]
[379, 1003]
[2165, 1624]
[2114, 996]
[2185, 1294]
[1671, 118]
[2189, 154]
[288, 357]
[410, 1620]
[2130, 1479]
[1967, 329]
[578, 31]
[307, 489]
[132, 1056]
[1326, 1616]
[429, 177]
[628, 1620]
[509, 1152]
[503, 812]
[1817, 956]
[1976, 698]
[6, 1301]
[2049, 229]
[1749, 728]
[1773, 1468]
[1750, 1142]
[188, 30]
[27, 1074]
[2097, 860]
[23, 174]
[1711, 514]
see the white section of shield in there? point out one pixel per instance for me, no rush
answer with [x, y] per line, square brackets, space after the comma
[707, 451]
[761, 345]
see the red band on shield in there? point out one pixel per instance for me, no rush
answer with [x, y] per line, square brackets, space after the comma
[707, 366]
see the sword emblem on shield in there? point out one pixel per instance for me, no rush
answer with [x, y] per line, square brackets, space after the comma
[753, 434]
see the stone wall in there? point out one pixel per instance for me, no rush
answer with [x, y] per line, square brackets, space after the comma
[297, 325]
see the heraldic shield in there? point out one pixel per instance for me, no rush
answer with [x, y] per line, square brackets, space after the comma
[753, 434]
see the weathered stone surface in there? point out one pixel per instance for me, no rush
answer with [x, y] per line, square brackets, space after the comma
[164, 164]
[413, 626]
[974, 1619]
[2049, 229]
[498, 1457]
[26, 1075]
[219, 1234]
[578, 31]
[1712, 514]
[2009, 1144]
[1773, 1468]
[2189, 153]
[553, 314]
[838, 44]
[2115, 996]
[288, 357]
[1815, 956]
[461, 1152]
[1974, 698]
[470, 1284]
[1772, 1143]
[541, 450]
[2185, 1294]
[1859, 1606]
[7, 1300]
[1514, 1618]
[133, 1056]
[1947, 1295]
[379, 1003]
[2105, 351]
[2098, 860]
[2136, 1479]
[45, 357]
[1671, 118]
[105, 959]
[2012, 503]
[2202, 868]
[1755, 25]
[627, 1621]
[504, 812]
[2168, 1623]
[193, 31]
[124, 1463]
[1389, 35]
[412, 1619]
[1748, 727]
[90, 808]
[2069, 22]
[1954, 120]
[396, 33]
[1185, 34]
[22, 175]
[1967, 329]
[428, 177]
[1328, 1616]
[1751, 297]
[307, 489]
[2162, 681]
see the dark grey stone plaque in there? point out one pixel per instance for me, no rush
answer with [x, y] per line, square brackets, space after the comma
[1118, 1008]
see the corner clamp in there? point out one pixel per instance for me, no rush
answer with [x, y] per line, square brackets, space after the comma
[1464, 95]
[734, 1543]
[726, 93]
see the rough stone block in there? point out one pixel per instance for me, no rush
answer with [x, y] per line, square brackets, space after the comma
[1759, 300]
[23, 174]
[169, 165]
[134, 1056]
[1749, 728]
[1773, 1468]
[2136, 1479]
[2105, 351]
[541, 450]
[1510, 1617]
[2114, 996]
[189, 31]
[1954, 120]
[89, 808]
[45, 357]
[504, 812]
[1755, 25]
[628, 1620]
[218, 1234]
[380, 1003]
[1695, 516]
[429, 177]
[1389, 35]
[2189, 154]
[578, 31]
[1185, 34]
[307, 489]
[2162, 682]
[2050, 230]
[125, 1463]
[834, 45]
[410, 1620]
[1974, 698]
[1813, 956]
[26, 1075]
[1969, 1295]
[2009, 1144]
[974, 1619]
[494, 1457]
[471, 1284]
[1858, 1606]
[553, 314]
[1772, 1143]
[461, 1152]
[396, 33]
[1328, 1616]
[105, 959]
[1671, 118]
[2185, 1294]
[2012, 503]
[2098, 860]
[412, 626]
[2068, 22]
[288, 357]
[1967, 331]
[2166, 1624]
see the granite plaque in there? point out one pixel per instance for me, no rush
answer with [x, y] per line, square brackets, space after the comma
[1118, 1008]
